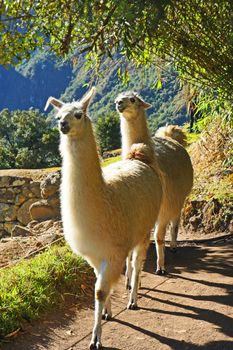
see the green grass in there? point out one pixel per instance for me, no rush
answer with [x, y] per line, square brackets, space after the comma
[110, 161]
[191, 136]
[34, 286]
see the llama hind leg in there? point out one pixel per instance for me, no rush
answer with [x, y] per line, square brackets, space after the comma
[102, 291]
[174, 233]
[138, 258]
[160, 231]
[107, 311]
[128, 271]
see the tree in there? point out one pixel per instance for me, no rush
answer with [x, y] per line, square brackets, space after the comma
[27, 140]
[108, 132]
[197, 35]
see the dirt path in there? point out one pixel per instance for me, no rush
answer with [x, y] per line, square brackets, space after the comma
[190, 308]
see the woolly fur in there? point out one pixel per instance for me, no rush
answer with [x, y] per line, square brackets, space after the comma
[106, 212]
[172, 161]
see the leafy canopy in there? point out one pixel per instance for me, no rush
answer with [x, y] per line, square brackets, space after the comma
[197, 35]
[27, 140]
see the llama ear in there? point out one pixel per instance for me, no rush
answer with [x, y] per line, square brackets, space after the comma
[54, 102]
[144, 104]
[85, 101]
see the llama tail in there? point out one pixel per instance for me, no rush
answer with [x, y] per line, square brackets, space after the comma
[174, 132]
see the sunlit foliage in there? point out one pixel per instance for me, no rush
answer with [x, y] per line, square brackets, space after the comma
[197, 35]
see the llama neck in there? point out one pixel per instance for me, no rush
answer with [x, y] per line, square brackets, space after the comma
[81, 165]
[134, 130]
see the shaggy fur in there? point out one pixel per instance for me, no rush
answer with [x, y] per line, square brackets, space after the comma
[174, 132]
[172, 160]
[106, 212]
[143, 153]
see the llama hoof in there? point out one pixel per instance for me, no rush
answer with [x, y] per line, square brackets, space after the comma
[95, 345]
[106, 317]
[160, 272]
[173, 250]
[132, 306]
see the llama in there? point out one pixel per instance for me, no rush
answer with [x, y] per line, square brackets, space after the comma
[173, 161]
[102, 211]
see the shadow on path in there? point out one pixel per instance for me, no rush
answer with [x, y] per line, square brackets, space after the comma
[195, 259]
[223, 322]
[179, 344]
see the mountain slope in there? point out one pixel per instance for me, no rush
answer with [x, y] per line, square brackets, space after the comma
[43, 76]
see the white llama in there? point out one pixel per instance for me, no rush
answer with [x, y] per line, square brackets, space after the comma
[106, 212]
[176, 172]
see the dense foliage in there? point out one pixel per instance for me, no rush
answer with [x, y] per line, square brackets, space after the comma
[196, 34]
[209, 206]
[108, 132]
[27, 140]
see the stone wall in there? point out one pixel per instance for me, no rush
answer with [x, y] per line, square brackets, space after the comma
[23, 201]
[17, 194]
[49, 205]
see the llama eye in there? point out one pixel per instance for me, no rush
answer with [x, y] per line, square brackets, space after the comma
[132, 99]
[78, 115]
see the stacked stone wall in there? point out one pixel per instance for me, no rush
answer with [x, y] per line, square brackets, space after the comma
[17, 194]
[24, 202]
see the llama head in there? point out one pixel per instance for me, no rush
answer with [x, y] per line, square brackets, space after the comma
[72, 117]
[129, 103]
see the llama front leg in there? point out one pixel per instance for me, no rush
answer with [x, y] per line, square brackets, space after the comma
[102, 290]
[138, 257]
[128, 271]
[174, 233]
[160, 231]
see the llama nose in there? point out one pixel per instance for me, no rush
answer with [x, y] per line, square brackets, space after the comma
[63, 123]
[64, 126]
[120, 106]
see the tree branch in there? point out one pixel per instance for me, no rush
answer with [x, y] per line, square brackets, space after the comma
[15, 18]
[101, 30]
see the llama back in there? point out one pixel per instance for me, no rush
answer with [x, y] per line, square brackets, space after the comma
[176, 174]
[174, 132]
